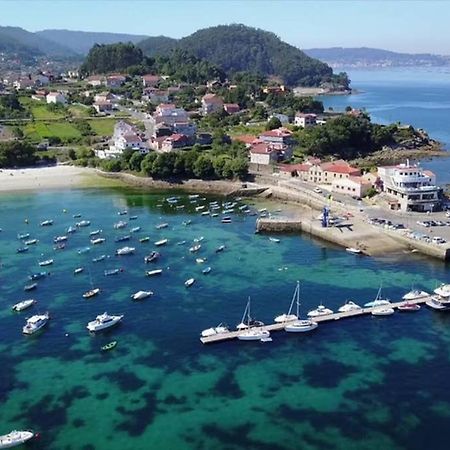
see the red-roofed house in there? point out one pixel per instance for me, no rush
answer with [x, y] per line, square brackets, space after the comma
[247, 139]
[231, 108]
[175, 141]
[115, 80]
[278, 136]
[150, 80]
[326, 172]
[264, 154]
[211, 103]
[294, 170]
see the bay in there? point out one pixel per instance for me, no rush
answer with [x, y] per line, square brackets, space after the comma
[362, 383]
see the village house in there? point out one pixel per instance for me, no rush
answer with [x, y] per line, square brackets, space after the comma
[115, 81]
[247, 139]
[231, 108]
[264, 154]
[211, 103]
[23, 83]
[103, 97]
[154, 95]
[274, 89]
[40, 95]
[103, 106]
[305, 120]
[96, 80]
[150, 80]
[281, 136]
[354, 186]
[326, 173]
[56, 97]
[175, 141]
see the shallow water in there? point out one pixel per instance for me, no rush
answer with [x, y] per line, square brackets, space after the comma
[363, 383]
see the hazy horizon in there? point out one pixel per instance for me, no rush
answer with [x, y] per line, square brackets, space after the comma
[389, 25]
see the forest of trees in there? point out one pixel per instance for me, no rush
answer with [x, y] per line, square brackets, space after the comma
[17, 154]
[10, 107]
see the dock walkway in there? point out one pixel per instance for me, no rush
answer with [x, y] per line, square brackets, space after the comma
[327, 318]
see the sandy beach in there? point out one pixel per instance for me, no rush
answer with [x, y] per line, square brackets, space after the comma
[33, 179]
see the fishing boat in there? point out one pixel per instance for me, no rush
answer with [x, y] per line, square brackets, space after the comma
[272, 239]
[84, 250]
[127, 237]
[151, 273]
[443, 290]
[187, 222]
[61, 246]
[78, 270]
[161, 226]
[25, 304]
[189, 282]
[199, 239]
[144, 239]
[299, 325]
[108, 346]
[119, 225]
[125, 251]
[152, 257]
[409, 307]
[200, 260]
[215, 330]
[320, 311]
[21, 236]
[289, 316]
[135, 229]
[206, 270]
[379, 301]
[31, 242]
[46, 223]
[193, 196]
[47, 262]
[22, 249]
[415, 294]
[91, 293]
[109, 272]
[181, 243]
[133, 217]
[37, 275]
[76, 216]
[349, 306]
[15, 438]
[35, 323]
[226, 220]
[30, 287]
[205, 213]
[161, 242]
[220, 249]
[140, 295]
[122, 213]
[99, 258]
[353, 250]
[200, 208]
[250, 332]
[103, 321]
[97, 241]
[83, 223]
[214, 215]
[195, 248]
[58, 239]
[383, 311]
[95, 233]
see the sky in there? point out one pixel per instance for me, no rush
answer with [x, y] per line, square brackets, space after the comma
[398, 25]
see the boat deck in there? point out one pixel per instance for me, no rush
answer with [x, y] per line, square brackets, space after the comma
[327, 318]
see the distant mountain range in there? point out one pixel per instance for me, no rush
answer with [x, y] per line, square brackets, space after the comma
[374, 57]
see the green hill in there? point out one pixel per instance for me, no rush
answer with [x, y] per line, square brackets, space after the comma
[18, 40]
[157, 45]
[238, 48]
[82, 41]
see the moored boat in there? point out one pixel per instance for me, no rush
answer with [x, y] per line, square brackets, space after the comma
[83, 223]
[221, 248]
[103, 321]
[206, 270]
[250, 332]
[125, 251]
[438, 304]
[46, 223]
[24, 304]
[161, 242]
[78, 270]
[30, 287]
[443, 290]
[37, 275]
[151, 273]
[21, 236]
[276, 240]
[31, 242]
[415, 294]
[161, 226]
[189, 282]
[58, 239]
[127, 237]
[349, 306]
[95, 233]
[215, 330]
[22, 249]
[108, 346]
[109, 272]
[195, 248]
[320, 311]
[47, 262]
[379, 301]
[119, 225]
[144, 239]
[409, 307]
[152, 257]
[383, 311]
[286, 317]
[97, 241]
[35, 323]
[355, 251]
[99, 258]
[15, 438]
[91, 293]
[140, 295]
[226, 220]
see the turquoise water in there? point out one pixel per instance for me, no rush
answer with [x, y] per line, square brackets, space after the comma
[365, 383]
[416, 96]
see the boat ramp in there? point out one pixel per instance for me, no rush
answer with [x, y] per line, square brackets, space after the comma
[326, 318]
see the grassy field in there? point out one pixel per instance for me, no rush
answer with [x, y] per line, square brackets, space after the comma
[103, 127]
[79, 111]
[41, 130]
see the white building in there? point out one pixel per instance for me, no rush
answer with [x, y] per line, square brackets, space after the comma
[354, 186]
[413, 188]
[56, 97]
[305, 120]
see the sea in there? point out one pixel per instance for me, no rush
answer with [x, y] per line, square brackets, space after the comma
[362, 383]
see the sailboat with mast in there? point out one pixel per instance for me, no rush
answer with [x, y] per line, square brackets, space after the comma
[289, 317]
[93, 291]
[300, 325]
[251, 332]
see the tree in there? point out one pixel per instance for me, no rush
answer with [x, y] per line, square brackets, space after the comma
[240, 168]
[111, 165]
[72, 154]
[147, 163]
[17, 154]
[134, 163]
[203, 167]
[273, 123]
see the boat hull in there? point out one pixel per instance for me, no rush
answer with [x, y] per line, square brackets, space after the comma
[302, 326]
[15, 438]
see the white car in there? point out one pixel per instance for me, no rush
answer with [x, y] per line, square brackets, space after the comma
[317, 190]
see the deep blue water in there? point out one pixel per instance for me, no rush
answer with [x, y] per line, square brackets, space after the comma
[416, 96]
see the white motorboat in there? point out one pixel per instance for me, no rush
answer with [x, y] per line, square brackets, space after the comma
[253, 334]
[288, 316]
[189, 282]
[349, 306]
[383, 311]
[415, 294]
[215, 330]
[436, 303]
[320, 311]
[95, 233]
[23, 305]
[443, 290]
[276, 240]
[161, 226]
[91, 293]
[35, 323]
[379, 301]
[206, 270]
[353, 250]
[15, 438]
[151, 273]
[31, 242]
[83, 223]
[119, 225]
[195, 248]
[59, 239]
[125, 251]
[103, 321]
[46, 223]
[200, 260]
[78, 270]
[140, 295]
[135, 229]
[161, 242]
[47, 262]
[97, 241]
[152, 257]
